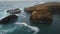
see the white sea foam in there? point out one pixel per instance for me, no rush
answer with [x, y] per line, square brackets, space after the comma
[35, 29]
[23, 15]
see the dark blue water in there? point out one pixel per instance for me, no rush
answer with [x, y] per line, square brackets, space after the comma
[23, 25]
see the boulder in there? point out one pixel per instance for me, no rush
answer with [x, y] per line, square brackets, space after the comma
[8, 19]
[14, 11]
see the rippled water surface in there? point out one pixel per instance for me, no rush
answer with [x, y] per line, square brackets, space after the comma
[23, 25]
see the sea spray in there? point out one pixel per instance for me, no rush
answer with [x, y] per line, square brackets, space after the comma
[35, 29]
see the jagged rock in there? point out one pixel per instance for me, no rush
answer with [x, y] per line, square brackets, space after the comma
[8, 19]
[14, 11]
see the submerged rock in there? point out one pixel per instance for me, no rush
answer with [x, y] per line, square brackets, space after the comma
[14, 11]
[8, 19]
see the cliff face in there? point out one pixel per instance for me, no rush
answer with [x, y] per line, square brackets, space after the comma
[41, 16]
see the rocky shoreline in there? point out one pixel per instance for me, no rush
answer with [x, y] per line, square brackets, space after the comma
[39, 13]
[43, 12]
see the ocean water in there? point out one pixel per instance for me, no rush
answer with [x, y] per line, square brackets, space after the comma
[23, 25]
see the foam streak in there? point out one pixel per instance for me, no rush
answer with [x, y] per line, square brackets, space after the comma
[36, 29]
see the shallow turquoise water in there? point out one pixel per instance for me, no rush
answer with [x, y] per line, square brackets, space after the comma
[23, 25]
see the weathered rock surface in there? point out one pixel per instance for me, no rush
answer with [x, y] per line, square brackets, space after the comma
[8, 19]
[43, 12]
[53, 6]
[14, 11]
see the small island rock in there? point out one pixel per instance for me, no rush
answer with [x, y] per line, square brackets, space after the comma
[14, 11]
[8, 19]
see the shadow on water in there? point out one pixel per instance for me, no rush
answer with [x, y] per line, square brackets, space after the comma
[55, 10]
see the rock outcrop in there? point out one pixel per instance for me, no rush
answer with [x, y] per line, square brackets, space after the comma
[8, 19]
[53, 6]
[14, 11]
[43, 12]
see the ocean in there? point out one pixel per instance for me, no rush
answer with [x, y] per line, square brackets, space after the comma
[23, 24]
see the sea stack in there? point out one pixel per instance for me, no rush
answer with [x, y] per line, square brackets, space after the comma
[8, 19]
